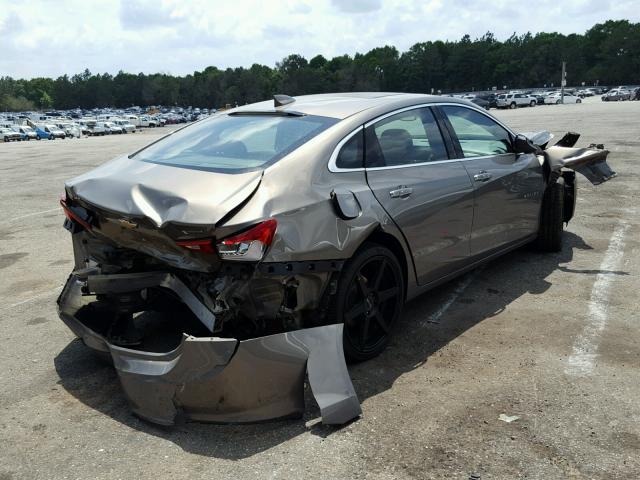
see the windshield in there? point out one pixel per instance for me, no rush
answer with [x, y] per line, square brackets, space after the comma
[235, 143]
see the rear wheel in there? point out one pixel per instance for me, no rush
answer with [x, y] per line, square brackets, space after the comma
[578, 101]
[551, 219]
[513, 105]
[369, 301]
[532, 103]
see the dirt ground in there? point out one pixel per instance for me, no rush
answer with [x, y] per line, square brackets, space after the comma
[550, 339]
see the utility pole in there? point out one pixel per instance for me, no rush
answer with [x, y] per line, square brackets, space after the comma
[563, 81]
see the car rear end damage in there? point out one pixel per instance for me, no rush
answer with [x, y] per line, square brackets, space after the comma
[208, 378]
[241, 333]
[213, 276]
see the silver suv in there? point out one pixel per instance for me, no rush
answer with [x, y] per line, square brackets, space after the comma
[515, 100]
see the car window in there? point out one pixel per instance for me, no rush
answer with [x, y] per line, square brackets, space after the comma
[235, 143]
[405, 138]
[350, 155]
[478, 134]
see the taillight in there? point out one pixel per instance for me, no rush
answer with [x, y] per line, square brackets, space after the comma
[202, 246]
[249, 245]
[73, 216]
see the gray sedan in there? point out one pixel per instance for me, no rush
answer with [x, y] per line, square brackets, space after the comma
[290, 217]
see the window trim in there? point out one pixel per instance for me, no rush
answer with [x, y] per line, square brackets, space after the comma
[454, 140]
[336, 152]
[454, 136]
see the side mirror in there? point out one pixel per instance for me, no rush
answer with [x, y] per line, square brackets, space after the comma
[522, 144]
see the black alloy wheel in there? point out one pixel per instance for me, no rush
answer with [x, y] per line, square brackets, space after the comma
[369, 301]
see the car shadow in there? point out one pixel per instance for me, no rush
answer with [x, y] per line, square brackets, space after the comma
[418, 336]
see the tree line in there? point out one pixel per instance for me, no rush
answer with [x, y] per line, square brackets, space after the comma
[606, 54]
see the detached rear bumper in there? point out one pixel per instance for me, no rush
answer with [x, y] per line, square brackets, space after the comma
[225, 380]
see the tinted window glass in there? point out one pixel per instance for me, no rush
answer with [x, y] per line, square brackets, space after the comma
[350, 155]
[478, 134]
[405, 138]
[235, 143]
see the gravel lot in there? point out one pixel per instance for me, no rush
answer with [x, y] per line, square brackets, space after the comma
[550, 339]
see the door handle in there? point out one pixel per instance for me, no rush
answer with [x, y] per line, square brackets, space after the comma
[401, 192]
[482, 176]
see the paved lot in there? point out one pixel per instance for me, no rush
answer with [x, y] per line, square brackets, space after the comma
[550, 339]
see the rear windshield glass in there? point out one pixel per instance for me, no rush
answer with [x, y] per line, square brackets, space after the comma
[235, 143]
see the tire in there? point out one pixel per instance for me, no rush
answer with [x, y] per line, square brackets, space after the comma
[368, 301]
[578, 101]
[557, 102]
[532, 104]
[513, 105]
[551, 219]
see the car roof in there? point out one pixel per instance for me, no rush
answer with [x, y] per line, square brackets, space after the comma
[343, 105]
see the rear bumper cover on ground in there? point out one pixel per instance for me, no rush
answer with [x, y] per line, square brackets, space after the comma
[225, 380]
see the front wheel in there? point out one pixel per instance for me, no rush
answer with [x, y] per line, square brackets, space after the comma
[369, 301]
[551, 219]
[578, 101]
[532, 104]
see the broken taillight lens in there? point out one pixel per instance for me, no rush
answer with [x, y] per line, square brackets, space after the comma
[202, 246]
[250, 244]
[75, 216]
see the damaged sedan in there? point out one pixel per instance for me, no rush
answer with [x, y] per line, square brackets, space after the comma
[219, 265]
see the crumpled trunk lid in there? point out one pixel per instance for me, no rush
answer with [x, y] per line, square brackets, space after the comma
[162, 193]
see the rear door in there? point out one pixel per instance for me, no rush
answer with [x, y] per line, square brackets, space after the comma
[508, 186]
[428, 194]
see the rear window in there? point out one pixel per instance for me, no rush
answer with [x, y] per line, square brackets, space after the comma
[235, 143]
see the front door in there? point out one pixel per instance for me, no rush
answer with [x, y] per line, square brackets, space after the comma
[428, 195]
[508, 186]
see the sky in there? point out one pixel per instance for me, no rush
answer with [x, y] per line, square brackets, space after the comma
[53, 37]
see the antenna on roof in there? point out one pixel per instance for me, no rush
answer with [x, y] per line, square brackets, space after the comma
[280, 100]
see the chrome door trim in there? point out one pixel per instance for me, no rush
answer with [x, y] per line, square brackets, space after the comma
[336, 151]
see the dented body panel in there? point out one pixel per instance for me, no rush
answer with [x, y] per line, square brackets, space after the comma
[223, 379]
[257, 256]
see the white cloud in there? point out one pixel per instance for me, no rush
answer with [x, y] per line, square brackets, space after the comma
[180, 36]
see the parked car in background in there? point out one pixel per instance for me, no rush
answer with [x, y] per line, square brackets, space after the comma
[616, 95]
[515, 100]
[146, 121]
[113, 128]
[584, 93]
[96, 129]
[126, 126]
[538, 97]
[481, 102]
[9, 135]
[26, 132]
[71, 130]
[557, 98]
[49, 132]
[490, 98]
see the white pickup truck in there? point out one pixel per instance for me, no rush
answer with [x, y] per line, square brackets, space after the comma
[514, 100]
